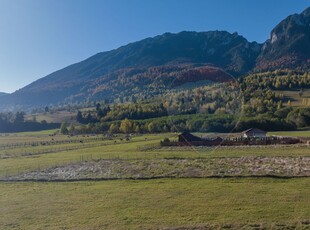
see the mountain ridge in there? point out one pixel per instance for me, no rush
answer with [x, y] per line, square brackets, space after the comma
[219, 53]
[216, 49]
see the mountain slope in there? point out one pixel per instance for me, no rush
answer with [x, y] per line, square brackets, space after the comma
[170, 60]
[289, 44]
[229, 52]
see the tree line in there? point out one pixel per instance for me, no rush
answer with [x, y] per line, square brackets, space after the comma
[15, 122]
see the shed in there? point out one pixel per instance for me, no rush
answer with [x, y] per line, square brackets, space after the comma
[254, 132]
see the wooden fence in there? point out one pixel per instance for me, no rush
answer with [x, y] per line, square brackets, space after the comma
[51, 142]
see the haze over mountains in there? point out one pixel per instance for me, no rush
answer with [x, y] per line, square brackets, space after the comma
[2, 94]
[170, 60]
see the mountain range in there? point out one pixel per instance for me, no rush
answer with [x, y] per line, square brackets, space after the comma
[168, 61]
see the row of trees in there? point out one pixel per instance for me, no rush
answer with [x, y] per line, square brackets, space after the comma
[278, 80]
[180, 123]
[15, 122]
[284, 119]
[121, 111]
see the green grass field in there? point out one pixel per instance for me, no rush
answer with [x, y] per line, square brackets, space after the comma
[156, 204]
[146, 204]
[57, 117]
[128, 150]
[293, 96]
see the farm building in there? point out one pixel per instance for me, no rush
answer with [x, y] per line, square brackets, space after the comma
[254, 132]
[189, 138]
[249, 137]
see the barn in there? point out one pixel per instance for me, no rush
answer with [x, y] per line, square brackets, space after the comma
[194, 140]
[187, 137]
[254, 132]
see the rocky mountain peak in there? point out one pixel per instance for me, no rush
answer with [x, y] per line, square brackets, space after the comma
[289, 44]
[306, 12]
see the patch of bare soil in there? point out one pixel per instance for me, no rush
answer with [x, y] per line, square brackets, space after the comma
[173, 168]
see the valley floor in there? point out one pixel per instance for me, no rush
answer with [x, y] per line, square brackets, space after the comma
[256, 187]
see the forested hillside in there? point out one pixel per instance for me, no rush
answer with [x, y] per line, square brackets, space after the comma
[255, 100]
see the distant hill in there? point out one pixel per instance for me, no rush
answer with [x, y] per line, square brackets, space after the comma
[170, 60]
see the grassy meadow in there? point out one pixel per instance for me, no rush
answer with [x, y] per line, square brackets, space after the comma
[294, 98]
[156, 204]
[23, 159]
[55, 117]
[145, 204]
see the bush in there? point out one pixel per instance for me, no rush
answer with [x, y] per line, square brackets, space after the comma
[166, 140]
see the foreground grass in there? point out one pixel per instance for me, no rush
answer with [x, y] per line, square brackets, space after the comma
[147, 204]
[155, 204]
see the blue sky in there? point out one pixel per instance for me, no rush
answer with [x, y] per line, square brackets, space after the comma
[41, 36]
